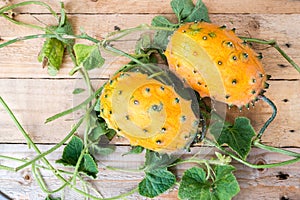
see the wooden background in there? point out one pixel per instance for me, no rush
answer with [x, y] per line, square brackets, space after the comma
[34, 96]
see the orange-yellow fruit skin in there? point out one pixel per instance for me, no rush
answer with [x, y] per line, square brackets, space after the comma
[196, 48]
[147, 112]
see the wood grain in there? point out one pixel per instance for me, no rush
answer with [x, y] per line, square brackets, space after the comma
[34, 100]
[162, 7]
[24, 54]
[255, 184]
[34, 96]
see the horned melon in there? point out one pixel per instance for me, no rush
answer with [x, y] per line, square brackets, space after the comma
[147, 112]
[216, 63]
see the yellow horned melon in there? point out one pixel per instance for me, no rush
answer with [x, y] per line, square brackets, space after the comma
[216, 63]
[147, 112]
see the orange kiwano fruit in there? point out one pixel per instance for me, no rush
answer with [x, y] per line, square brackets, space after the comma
[147, 112]
[216, 63]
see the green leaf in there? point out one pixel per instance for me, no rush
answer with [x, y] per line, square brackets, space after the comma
[52, 198]
[161, 38]
[199, 13]
[156, 182]
[102, 149]
[195, 186]
[134, 150]
[52, 55]
[161, 21]
[97, 106]
[72, 153]
[143, 43]
[182, 8]
[225, 185]
[156, 160]
[88, 56]
[78, 90]
[63, 28]
[238, 136]
[97, 132]
[99, 128]
[89, 166]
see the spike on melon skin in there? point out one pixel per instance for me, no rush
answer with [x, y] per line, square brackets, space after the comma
[147, 112]
[203, 47]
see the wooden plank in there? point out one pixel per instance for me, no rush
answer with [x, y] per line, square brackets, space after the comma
[161, 6]
[34, 100]
[24, 63]
[255, 184]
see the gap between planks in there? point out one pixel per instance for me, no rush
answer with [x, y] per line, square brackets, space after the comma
[25, 53]
[255, 184]
[34, 100]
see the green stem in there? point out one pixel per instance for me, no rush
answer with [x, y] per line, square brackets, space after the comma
[87, 80]
[124, 170]
[274, 44]
[197, 161]
[41, 155]
[272, 165]
[256, 143]
[31, 143]
[121, 196]
[25, 3]
[24, 161]
[37, 175]
[142, 27]
[28, 37]
[75, 173]
[23, 24]
[269, 121]
[3, 167]
[66, 112]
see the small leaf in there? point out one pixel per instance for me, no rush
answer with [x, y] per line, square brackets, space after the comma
[101, 149]
[199, 13]
[97, 106]
[52, 198]
[89, 166]
[156, 182]
[182, 8]
[88, 56]
[111, 134]
[134, 150]
[97, 132]
[225, 186]
[72, 152]
[78, 90]
[195, 186]
[156, 160]
[161, 21]
[52, 55]
[223, 158]
[161, 38]
[142, 44]
[238, 136]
